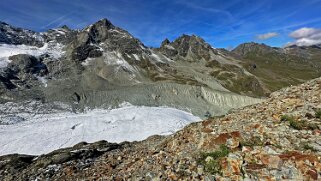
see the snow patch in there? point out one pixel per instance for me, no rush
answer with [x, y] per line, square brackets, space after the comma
[115, 58]
[88, 28]
[169, 47]
[142, 47]
[156, 57]
[159, 57]
[100, 48]
[43, 80]
[51, 48]
[60, 31]
[122, 33]
[43, 133]
[87, 61]
[136, 57]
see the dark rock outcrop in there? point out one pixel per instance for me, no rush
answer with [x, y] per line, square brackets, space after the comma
[26, 167]
[27, 64]
[18, 36]
[105, 33]
[21, 72]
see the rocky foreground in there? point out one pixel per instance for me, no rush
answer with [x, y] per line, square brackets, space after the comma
[278, 139]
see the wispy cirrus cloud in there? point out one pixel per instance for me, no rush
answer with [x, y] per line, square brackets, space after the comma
[305, 37]
[206, 9]
[57, 20]
[266, 36]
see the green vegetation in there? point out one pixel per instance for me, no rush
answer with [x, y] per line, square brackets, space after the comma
[298, 125]
[277, 70]
[254, 141]
[211, 160]
[306, 146]
[239, 82]
[286, 118]
[318, 113]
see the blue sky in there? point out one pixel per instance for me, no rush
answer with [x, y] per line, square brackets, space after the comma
[222, 23]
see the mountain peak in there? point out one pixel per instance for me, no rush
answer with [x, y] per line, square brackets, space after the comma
[165, 42]
[3, 23]
[65, 27]
[253, 44]
[190, 37]
[185, 44]
[190, 40]
[253, 47]
[105, 23]
[101, 24]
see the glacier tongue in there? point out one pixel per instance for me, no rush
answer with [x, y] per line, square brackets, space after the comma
[43, 133]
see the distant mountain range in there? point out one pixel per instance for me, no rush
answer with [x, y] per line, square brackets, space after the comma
[104, 65]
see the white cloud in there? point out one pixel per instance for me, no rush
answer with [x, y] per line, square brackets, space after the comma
[266, 36]
[305, 37]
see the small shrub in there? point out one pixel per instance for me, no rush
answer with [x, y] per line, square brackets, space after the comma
[300, 125]
[308, 147]
[254, 141]
[286, 118]
[212, 165]
[296, 124]
[318, 113]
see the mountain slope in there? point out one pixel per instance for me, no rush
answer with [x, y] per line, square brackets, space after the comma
[104, 65]
[280, 67]
[277, 139]
[192, 56]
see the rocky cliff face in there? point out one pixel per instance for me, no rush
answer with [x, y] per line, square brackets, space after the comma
[278, 139]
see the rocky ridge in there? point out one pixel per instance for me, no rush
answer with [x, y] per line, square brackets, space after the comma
[278, 139]
[18, 36]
